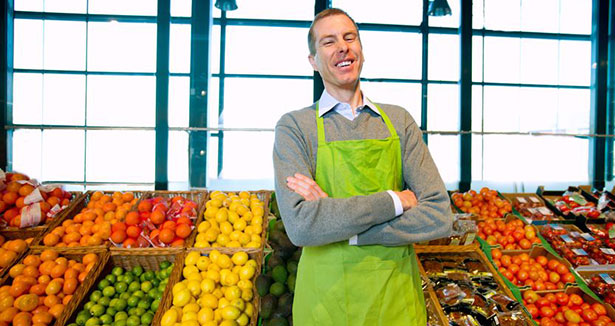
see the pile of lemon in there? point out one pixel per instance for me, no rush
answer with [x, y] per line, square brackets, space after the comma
[217, 290]
[231, 220]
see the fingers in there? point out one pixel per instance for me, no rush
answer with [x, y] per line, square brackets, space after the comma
[312, 183]
[306, 187]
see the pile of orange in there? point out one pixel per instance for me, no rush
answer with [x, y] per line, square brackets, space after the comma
[92, 226]
[487, 203]
[10, 250]
[42, 285]
[513, 235]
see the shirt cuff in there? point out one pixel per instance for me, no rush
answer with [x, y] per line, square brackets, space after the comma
[399, 208]
[353, 240]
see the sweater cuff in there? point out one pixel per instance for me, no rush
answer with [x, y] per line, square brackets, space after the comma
[399, 208]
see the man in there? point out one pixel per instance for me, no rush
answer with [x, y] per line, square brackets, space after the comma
[340, 167]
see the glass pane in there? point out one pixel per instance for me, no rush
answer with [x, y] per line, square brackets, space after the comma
[405, 95]
[63, 155]
[477, 14]
[540, 16]
[383, 48]
[179, 52]
[28, 5]
[281, 51]
[447, 21]
[178, 157]
[114, 156]
[28, 44]
[501, 105]
[117, 46]
[443, 57]
[399, 12]
[249, 102]
[27, 152]
[442, 101]
[445, 152]
[213, 103]
[574, 108]
[66, 6]
[274, 9]
[502, 59]
[575, 17]
[121, 7]
[247, 155]
[181, 8]
[539, 61]
[27, 98]
[64, 99]
[179, 101]
[477, 159]
[477, 58]
[121, 101]
[477, 109]
[537, 109]
[503, 15]
[575, 63]
[215, 50]
[64, 46]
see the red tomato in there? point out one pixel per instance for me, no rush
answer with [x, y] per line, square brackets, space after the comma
[547, 311]
[576, 299]
[589, 315]
[599, 309]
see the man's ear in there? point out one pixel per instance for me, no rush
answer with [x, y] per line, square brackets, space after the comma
[312, 60]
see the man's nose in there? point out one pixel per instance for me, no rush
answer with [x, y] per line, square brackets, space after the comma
[342, 47]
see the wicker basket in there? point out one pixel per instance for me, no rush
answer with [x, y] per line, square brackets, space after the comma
[18, 234]
[167, 302]
[81, 290]
[80, 205]
[148, 259]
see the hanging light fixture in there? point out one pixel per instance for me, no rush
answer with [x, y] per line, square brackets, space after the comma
[227, 5]
[439, 8]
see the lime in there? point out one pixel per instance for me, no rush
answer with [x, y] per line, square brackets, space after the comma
[97, 310]
[147, 318]
[117, 271]
[125, 296]
[120, 305]
[155, 281]
[138, 294]
[132, 311]
[134, 286]
[92, 322]
[103, 284]
[120, 278]
[155, 304]
[146, 286]
[120, 322]
[164, 264]
[143, 304]
[277, 289]
[73, 324]
[111, 311]
[137, 270]
[108, 291]
[121, 287]
[88, 305]
[122, 315]
[111, 278]
[139, 311]
[149, 275]
[104, 301]
[95, 296]
[158, 295]
[82, 317]
[113, 302]
[106, 319]
[133, 321]
[164, 274]
[128, 278]
[133, 301]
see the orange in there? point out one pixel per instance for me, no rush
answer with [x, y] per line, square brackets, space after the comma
[89, 258]
[132, 218]
[56, 310]
[32, 260]
[118, 236]
[51, 239]
[42, 318]
[157, 217]
[166, 236]
[6, 257]
[71, 237]
[25, 190]
[178, 243]
[68, 223]
[19, 203]
[10, 197]
[38, 289]
[82, 276]
[133, 231]
[17, 245]
[70, 285]
[44, 279]
[49, 254]
[128, 196]
[129, 243]
[96, 195]
[66, 299]
[62, 261]
[145, 206]
[59, 231]
[183, 230]
[95, 240]
[23, 318]
[53, 200]
[169, 225]
[13, 186]
[71, 273]
[58, 271]
[30, 271]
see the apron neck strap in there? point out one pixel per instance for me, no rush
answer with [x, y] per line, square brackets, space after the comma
[321, 126]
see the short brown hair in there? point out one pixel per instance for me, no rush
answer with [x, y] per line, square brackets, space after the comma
[321, 15]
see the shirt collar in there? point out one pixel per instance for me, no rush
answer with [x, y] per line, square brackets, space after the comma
[328, 102]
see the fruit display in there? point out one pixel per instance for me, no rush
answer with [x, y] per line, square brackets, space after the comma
[11, 250]
[157, 222]
[574, 203]
[125, 297]
[217, 289]
[25, 203]
[92, 225]
[602, 283]
[577, 247]
[277, 286]
[571, 307]
[511, 235]
[487, 203]
[532, 208]
[231, 220]
[538, 270]
[40, 286]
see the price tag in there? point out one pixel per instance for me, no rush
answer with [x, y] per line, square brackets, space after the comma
[566, 238]
[608, 251]
[534, 199]
[521, 200]
[611, 233]
[607, 278]
[587, 236]
[579, 252]
[593, 262]
[544, 211]
[529, 220]
[556, 227]
[469, 238]
[455, 241]
[30, 215]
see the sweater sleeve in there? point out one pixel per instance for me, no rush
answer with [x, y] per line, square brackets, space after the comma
[327, 220]
[432, 217]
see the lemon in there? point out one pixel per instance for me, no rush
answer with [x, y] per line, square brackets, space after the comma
[239, 303]
[233, 217]
[234, 205]
[181, 298]
[204, 315]
[257, 220]
[244, 239]
[213, 275]
[242, 284]
[232, 292]
[216, 202]
[190, 323]
[201, 244]
[231, 279]
[246, 272]
[233, 244]
[223, 273]
[222, 215]
[252, 244]
[258, 211]
[258, 229]
[213, 256]
[243, 320]
[178, 287]
[240, 224]
[226, 227]
[218, 293]
[224, 261]
[247, 295]
[169, 318]
[204, 226]
[244, 201]
[240, 258]
[222, 239]
[236, 269]
[252, 263]
[189, 270]
[192, 257]
[248, 216]
[213, 267]
[194, 287]
[249, 230]
[228, 323]
[191, 315]
[201, 236]
[222, 302]
[255, 238]
[209, 300]
[249, 310]
[202, 263]
[244, 194]
[211, 234]
[210, 323]
[242, 210]
[207, 285]
[230, 313]
[191, 307]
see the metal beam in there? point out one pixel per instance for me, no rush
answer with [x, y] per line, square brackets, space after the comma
[610, 108]
[163, 27]
[200, 74]
[465, 95]
[598, 112]
[424, 69]
[319, 86]
[6, 81]
[221, 89]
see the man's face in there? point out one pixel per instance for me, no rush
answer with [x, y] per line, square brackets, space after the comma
[339, 55]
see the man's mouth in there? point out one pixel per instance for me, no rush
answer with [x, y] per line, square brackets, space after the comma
[344, 63]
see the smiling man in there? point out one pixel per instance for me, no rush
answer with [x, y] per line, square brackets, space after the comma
[356, 186]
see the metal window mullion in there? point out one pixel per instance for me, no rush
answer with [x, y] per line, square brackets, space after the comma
[319, 86]
[6, 83]
[465, 95]
[424, 69]
[163, 26]
[222, 69]
[610, 108]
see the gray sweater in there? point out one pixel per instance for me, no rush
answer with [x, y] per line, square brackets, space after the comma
[372, 217]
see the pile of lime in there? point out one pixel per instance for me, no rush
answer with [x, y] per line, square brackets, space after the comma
[125, 297]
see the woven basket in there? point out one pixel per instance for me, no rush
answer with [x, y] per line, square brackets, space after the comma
[174, 279]
[149, 260]
[80, 205]
[81, 291]
[430, 295]
[18, 234]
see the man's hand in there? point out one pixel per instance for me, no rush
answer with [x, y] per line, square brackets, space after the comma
[305, 187]
[408, 199]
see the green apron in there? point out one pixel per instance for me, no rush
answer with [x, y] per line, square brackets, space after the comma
[339, 284]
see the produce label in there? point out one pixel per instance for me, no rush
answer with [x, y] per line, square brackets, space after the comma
[579, 252]
[534, 199]
[608, 251]
[30, 215]
[556, 227]
[34, 197]
[566, 238]
[607, 278]
[543, 210]
[612, 233]
[469, 238]
[521, 200]
[587, 237]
